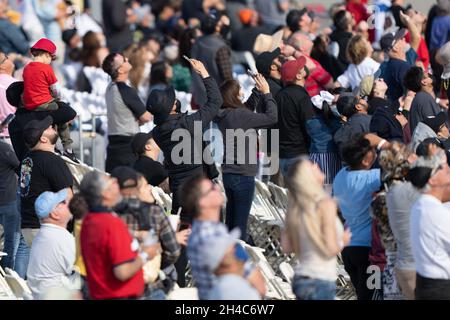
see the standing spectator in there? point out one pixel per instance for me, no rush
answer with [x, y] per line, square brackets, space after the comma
[125, 112]
[295, 108]
[272, 12]
[359, 52]
[214, 52]
[268, 64]
[226, 258]
[147, 150]
[160, 76]
[52, 255]
[344, 22]
[400, 196]
[50, 13]
[430, 227]
[9, 211]
[313, 232]
[117, 25]
[329, 62]
[354, 109]
[12, 39]
[424, 104]
[6, 72]
[113, 259]
[41, 170]
[204, 199]
[321, 128]
[440, 33]
[241, 166]
[134, 186]
[168, 117]
[353, 187]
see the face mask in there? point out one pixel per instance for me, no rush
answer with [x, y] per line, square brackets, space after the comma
[240, 253]
[224, 31]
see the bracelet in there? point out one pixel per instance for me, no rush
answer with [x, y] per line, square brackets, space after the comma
[144, 256]
[380, 144]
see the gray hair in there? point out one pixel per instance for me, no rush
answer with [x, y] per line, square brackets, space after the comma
[91, 188]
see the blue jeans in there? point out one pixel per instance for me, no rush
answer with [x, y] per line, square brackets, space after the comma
[240, 191]
[10, 220]
[20, 247]
[313, 289]
[285, 164]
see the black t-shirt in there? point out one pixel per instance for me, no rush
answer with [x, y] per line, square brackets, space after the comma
[40, 171]
[153, 171]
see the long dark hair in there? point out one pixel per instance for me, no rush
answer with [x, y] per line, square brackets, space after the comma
[91, 44]
[230, 93]
[158, 73]
[326, 113]
[185, 42]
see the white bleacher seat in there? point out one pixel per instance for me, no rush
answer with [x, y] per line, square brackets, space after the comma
[18, 285]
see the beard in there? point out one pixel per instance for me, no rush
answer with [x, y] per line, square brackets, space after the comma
[53, 138]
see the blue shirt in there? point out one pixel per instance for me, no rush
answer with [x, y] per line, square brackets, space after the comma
[440, 32]
[353, 190]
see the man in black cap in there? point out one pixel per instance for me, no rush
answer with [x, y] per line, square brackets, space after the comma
[125, 111]
[41, 170]
[62, 115]
[269, 65]
[147, 150]
[355, 111]
[167, 117]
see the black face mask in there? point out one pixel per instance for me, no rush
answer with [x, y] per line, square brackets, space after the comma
[224, 31]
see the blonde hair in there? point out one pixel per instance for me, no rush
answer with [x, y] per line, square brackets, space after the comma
[357, 49]
[137, 60]
[305, 194]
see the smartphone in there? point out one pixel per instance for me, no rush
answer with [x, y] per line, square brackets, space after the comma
[7, 120]
[184, 56]
[251, 73]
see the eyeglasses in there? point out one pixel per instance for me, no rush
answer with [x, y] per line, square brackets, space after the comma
[125, 60]
[213, 187]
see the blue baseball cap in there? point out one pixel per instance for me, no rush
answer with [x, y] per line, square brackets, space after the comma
[48, 201]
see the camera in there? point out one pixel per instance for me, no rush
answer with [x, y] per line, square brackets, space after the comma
[138, 210]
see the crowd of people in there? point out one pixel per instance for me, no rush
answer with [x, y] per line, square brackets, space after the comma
[353, 102]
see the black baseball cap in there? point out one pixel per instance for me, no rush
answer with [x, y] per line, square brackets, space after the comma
[387, 41]
[127, 177]
[436, 122]
[265, 59]
[139, 141]
[346, 104]
[68, 34]
[34, 129]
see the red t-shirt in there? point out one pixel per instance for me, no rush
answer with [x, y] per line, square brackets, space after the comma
[317, 79]
[422, 51]
[37, 79]
[106, 243]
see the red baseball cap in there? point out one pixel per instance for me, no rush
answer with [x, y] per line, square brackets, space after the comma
[290, 69]
[45, 45]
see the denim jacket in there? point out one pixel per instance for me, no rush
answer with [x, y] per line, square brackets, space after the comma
[321, 134]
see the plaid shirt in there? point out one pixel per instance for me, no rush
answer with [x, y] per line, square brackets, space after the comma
[201, 235]
[161, 224]
[223, 60]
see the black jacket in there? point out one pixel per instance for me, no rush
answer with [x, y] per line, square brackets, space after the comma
[383, 123]
[191, 163]
[117, 30]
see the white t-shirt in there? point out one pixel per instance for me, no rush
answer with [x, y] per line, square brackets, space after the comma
[430, 238]
[355, 73]
[52, 259]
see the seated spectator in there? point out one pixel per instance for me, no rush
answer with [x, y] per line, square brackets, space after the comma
[52, 255]
[225, 257]
[203, 198]
[353, 187]
[147, 150]
[430, 225]
[12, 39]
[112, 258]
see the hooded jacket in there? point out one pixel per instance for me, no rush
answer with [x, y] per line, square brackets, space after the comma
[191, 137]
[421, 133]
[243, 118]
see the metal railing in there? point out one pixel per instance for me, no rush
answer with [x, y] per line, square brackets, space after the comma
[92, 135]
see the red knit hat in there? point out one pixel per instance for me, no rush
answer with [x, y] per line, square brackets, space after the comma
[45, 45]
[291, 68]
